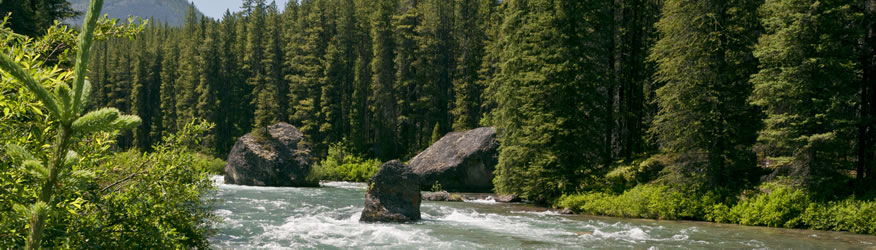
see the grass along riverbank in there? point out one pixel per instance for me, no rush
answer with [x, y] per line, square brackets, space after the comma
[772, 205]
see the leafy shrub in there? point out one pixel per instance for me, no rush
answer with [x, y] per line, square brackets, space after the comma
[790, 207]
[341, 165]
[436, 187]
[639, 171]
[51, 144]
[779, 206]
[643, 201]
[116, 200]
[847, 215]
[209, 164]
[147, 201]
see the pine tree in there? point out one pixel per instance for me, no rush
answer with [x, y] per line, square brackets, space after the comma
[339, 75]
[146, 89]
[633, 88]
[267, 87]
[253, 59]
[548, 97]
[33, 17]
[470, 30]
[434, 68]
[232, 89]
[704, 58]
[168, 89]
[307, 70]
[360, 125]
[188, 75]
[382, 101]
[208, 88]
[406, 86]
[808, 86]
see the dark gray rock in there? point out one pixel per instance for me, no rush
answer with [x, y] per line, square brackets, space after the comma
[279, 159]
[460, 161]
[393, 195]
[436, 196]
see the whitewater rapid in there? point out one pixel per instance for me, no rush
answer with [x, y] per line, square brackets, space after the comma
[327, 218]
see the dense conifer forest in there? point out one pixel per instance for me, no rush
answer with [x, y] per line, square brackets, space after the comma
[724, 91]
[757, 112]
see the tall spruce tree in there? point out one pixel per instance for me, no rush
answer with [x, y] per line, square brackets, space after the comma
[360, 122]
[470, 31]
[253, 59]
[168, 89]
[339, 74]
[812, 89]
[188, 75]
[307, 69]
[434, 66]
[407, 85]
[548, 96]
[705, 121]
[382, 101]
[633, 89]
[208, 87]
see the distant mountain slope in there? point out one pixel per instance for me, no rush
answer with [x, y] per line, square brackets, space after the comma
[171, 11]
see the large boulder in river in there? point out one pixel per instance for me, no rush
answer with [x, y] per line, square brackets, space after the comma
[277, 158]
[460, 161]
[393, 195]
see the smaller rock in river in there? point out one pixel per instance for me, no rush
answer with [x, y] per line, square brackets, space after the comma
[393, 195]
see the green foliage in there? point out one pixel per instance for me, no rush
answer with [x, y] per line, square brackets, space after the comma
[636, 172]
[436, 187]
[548, 97]
[32, 18]
[643, 201]
[777, 205]
[209, 164]
[343, 165]
[811, 88]
[154, 200]
[705, 59]
[851, 215]
[64, 185]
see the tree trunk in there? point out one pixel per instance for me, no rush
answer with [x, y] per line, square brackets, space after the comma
[867, 124]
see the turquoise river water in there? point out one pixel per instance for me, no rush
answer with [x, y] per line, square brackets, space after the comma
[327, 218]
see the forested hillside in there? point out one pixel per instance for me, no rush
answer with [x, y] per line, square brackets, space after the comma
[696, 95]
[172, 12]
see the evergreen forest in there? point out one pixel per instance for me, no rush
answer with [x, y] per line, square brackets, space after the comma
[756, 112]
[719, 92]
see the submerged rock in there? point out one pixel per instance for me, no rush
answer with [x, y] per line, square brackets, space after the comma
[436, 196]
[281, 158]
[508, 198]
[566, 211]
[393, 195]
[460, 161]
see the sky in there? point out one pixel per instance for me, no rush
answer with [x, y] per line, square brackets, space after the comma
[216, 8]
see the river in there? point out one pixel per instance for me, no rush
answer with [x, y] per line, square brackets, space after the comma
[327, 218]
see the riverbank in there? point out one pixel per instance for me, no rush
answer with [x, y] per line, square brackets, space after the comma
[778, 206]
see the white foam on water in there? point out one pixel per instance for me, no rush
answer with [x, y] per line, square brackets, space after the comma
[622, 232]
[223, 212]
[542, 213]
[344, 184]
[634, 235]
[321, 227]
[517, 226]
[274, 203]
[488, 200]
